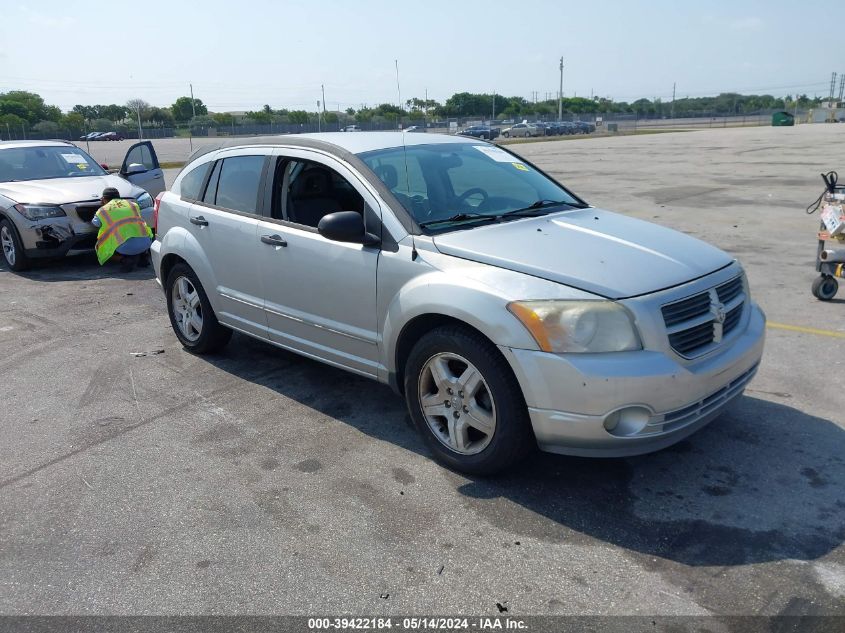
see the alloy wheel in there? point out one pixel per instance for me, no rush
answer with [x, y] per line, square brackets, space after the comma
[457, 403]
[187, 308]
[8, 244]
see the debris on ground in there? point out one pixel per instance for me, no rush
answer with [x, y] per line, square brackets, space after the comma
[154, 352]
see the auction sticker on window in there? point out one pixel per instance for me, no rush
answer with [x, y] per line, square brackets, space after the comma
[73, 159]
[499, 155]
[520, 167]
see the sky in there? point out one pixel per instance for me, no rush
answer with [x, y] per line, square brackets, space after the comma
[242, 55]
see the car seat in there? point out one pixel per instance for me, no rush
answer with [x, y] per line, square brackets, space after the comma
[312, 198]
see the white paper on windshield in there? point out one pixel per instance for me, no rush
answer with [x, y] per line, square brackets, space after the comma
[499, 155]
[74, 159]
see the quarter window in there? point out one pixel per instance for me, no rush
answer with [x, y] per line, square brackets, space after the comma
[192, 181]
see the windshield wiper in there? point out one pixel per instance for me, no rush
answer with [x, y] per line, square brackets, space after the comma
[535, 208]
[460, 217]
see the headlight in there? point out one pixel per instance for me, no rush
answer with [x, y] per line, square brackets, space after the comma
[39, 211]
[145, 201]
[578, 326]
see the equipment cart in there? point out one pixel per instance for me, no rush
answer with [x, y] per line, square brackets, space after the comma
[830, 254]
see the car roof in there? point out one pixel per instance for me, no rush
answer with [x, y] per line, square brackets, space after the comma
[56, 143]
[338, 141]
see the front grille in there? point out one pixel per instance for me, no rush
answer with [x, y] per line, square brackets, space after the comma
[693, 323]
[686, 309]
[86, 212]
[729, 291]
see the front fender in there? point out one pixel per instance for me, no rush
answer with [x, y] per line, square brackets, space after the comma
[440, 293]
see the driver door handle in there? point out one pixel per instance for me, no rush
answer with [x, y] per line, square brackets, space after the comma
[274, 240]
[199, 221]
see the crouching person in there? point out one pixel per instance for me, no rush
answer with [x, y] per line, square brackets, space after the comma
[122, 231]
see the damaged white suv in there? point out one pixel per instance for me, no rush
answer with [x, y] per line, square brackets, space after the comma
[50, 191]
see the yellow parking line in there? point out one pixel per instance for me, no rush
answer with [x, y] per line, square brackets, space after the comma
[805, 330]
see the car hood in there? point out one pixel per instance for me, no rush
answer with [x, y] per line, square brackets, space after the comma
[598, 251]
[64, 190]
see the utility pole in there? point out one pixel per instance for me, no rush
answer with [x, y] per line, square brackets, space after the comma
[398, 89]
[323, 89]
[560, 94]
[319, 118]
[832, 85]
[193, 105]
[493, 118]
[841, 86]
[673, 100]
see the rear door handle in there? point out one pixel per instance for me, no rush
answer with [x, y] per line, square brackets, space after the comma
[199, 221]
[274, 240]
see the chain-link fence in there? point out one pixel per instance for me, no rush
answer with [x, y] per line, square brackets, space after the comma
[604, 121]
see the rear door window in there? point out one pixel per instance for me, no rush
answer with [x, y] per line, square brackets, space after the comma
[235, 183]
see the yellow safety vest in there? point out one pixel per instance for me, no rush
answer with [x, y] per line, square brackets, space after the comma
[119, 220]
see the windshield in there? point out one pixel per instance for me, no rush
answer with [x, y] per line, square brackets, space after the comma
[438, 182]
[42, 163]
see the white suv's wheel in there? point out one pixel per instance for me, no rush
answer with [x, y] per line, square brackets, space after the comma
[12, 248]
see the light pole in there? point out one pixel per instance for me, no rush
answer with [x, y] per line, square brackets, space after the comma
[560, 94]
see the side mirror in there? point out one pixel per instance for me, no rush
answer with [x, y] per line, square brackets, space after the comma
[104, 166]
[135, 168]
[346, 226]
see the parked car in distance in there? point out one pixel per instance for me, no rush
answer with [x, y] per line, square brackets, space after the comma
[520, 130]
[481, 131]
[506, 310]
[351, 128]
[415, 129]
[50, 191]
[110, 136]
[585, 127]
[89, 136]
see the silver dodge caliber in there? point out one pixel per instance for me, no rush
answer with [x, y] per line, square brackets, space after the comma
[508, 311]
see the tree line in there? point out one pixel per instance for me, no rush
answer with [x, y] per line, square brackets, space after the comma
[22, 111]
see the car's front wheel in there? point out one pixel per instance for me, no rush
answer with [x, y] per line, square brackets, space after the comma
[506, 134]
[466, 402]
[12, 248]
[191, 314]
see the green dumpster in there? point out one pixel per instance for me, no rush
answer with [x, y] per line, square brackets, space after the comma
[780, 119]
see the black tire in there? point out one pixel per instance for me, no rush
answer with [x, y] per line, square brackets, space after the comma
[21, 261]
[213, 336]
[506, 134]
[825, 287]
[512, 440]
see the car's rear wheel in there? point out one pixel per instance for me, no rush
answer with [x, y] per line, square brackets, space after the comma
[191, 314]
[12, 247]
[466, 402]
[506, 134]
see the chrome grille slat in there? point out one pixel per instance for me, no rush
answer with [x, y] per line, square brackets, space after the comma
[691, 323]
[686, 309]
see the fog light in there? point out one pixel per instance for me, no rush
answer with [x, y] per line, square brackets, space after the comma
[627, 422]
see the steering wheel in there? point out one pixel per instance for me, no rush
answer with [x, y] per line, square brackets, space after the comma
[472, 192]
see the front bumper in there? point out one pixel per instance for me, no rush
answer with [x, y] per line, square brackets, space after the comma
[570, 397]
[60, 236]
